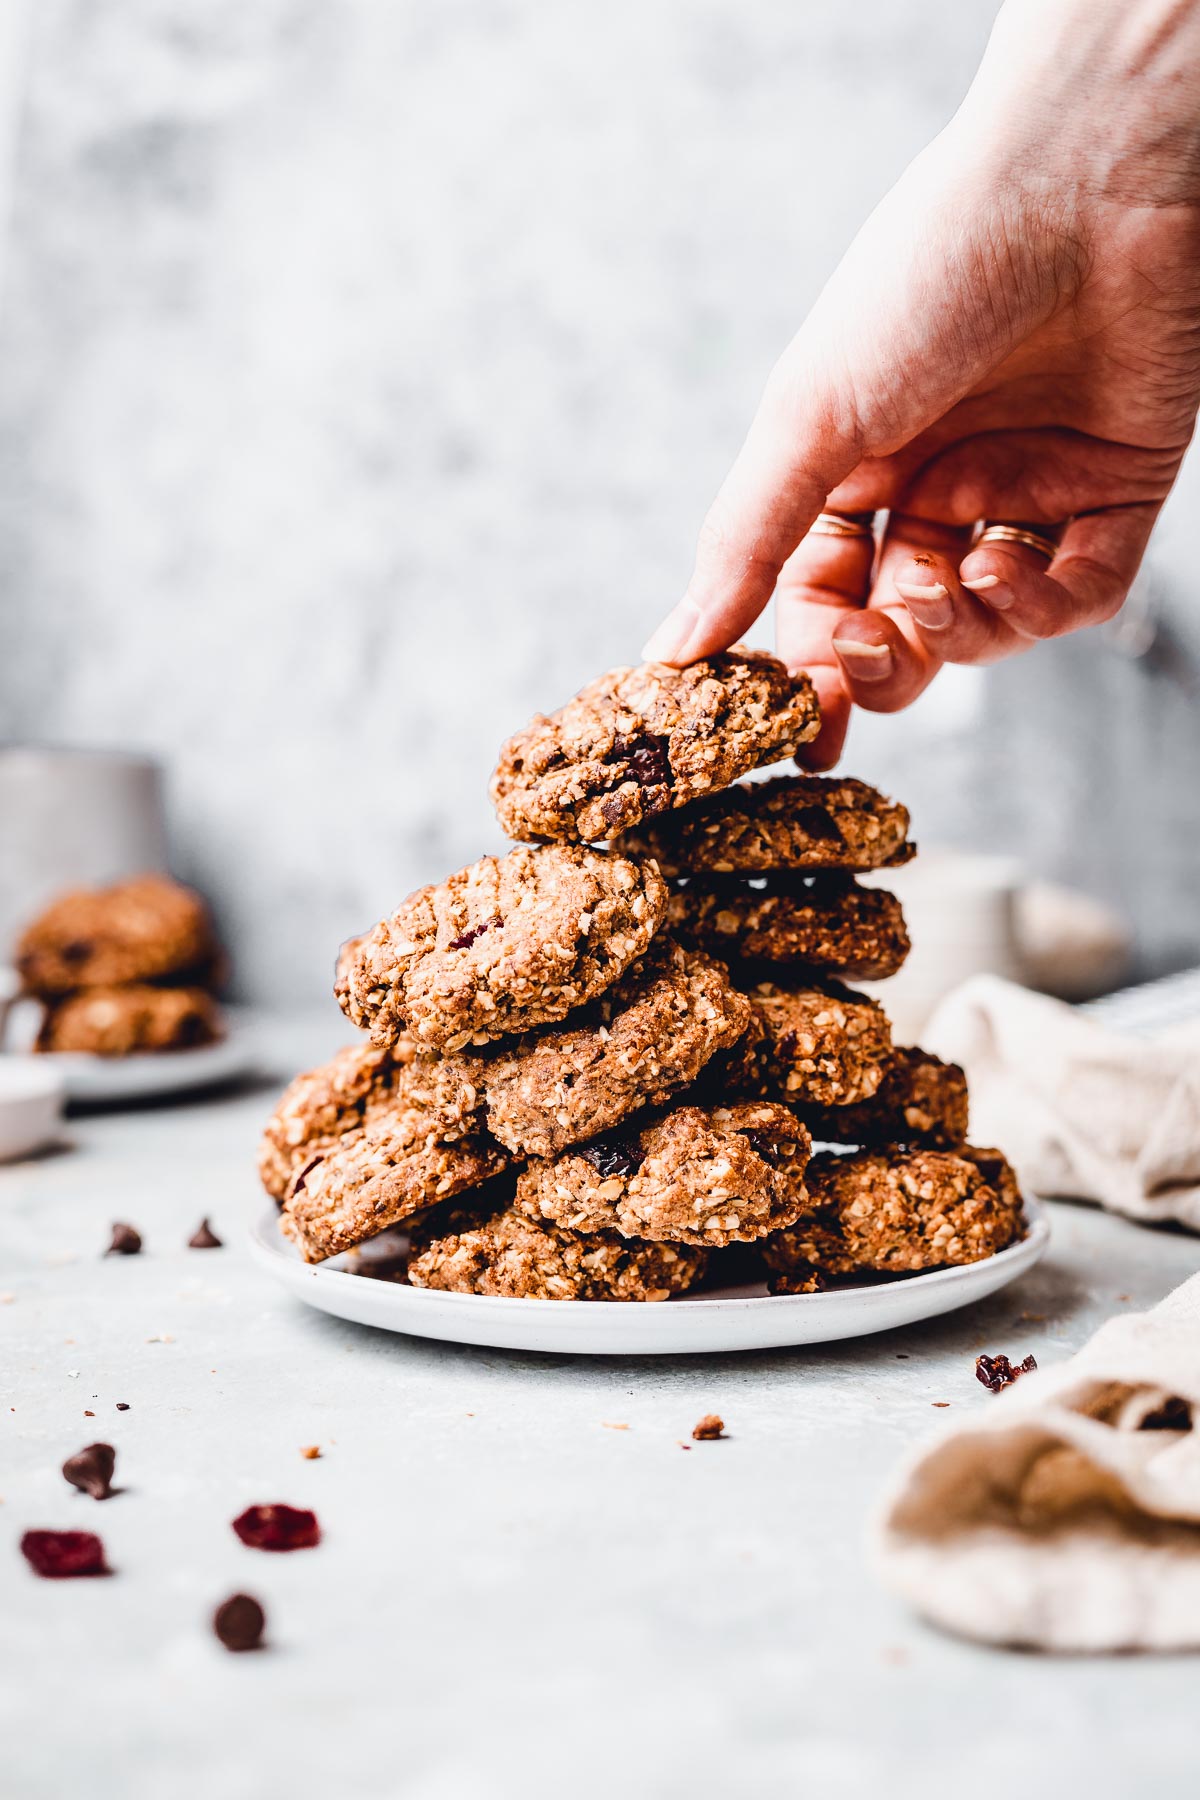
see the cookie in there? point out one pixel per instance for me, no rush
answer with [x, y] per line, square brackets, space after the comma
[148, 929]
[127, 1021]
[792, 822]
[646, 1037]
[719, 1175]
[920, 1101]
[350, 1092]
[511, 1255]
[405, 1157]
[823, 1045]
[896, 1212]
[507, 944]
[827, 922]
[640, 741]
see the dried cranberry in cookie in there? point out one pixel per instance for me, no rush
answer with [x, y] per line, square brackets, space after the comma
[507, 944]
[641, 741]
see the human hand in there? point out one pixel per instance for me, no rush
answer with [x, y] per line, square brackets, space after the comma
[1014, 335]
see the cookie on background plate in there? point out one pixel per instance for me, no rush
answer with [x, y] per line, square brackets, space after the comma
[716, 1175]
[789, 822]
[507, 944]
[150, 928]
[129, 1021]
[512, 1255]
[643, 1039]
[642, 740]
[920, 1101]
[820, 1044]
[896, 1213]
[827, 922]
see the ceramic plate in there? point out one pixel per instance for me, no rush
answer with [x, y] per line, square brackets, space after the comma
[104, 1079]
[720, 1319]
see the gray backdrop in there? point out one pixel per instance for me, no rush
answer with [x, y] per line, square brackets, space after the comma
[365, 372]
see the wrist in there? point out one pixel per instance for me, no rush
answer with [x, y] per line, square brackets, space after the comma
[1099, 96]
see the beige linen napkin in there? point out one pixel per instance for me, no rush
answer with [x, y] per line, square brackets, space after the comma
[1080, 1110]
[1066, 1516]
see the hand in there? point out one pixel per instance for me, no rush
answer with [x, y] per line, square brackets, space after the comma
[1014, 335]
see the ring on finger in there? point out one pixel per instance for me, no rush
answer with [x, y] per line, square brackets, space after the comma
[1040, 541]
[843, 525]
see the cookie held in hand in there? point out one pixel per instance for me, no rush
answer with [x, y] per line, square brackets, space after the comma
[638, 742]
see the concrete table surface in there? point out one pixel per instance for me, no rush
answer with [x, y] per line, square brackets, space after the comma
[511, 1598]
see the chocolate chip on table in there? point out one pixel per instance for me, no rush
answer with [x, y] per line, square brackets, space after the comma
[612, 1156]
[91, 1470]
[1173, 1415]
[239, 1622]
[122, 1406]
[125, 1241]
[59, 1554]
[278, 1528]
[710, 1426]
[997, 1372]
[204, 1237]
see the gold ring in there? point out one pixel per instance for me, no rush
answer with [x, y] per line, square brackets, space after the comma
[1018, 534]
[843, 525]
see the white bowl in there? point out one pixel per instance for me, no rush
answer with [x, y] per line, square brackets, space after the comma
[31, 1103]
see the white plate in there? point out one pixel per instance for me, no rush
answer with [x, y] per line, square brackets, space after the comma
[97, 1079]
[722, 1319]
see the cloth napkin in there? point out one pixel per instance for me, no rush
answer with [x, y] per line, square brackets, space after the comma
[1080, 1110]
[1066, 1516]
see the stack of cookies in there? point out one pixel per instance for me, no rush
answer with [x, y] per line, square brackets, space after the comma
[591, 1072]
[124, 969]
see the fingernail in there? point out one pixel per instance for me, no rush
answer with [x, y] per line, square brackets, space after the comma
[929, 606]
[673, 635]
[868, 662]
[999, 596]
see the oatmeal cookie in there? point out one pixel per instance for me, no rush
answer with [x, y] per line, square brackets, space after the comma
[823, 1045]
[895, 1212]
[826, 922]
[647, 1036]
[920, 1100]
[507, 944]
[401, 1161]
[719, 1175]
[792, 822]
[148, 929]
[512, 1255]
[123, 1021]
[640, 741]
[350, 1092]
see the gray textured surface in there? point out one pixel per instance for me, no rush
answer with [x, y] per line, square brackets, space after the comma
[364, 376]
[511, 1600]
